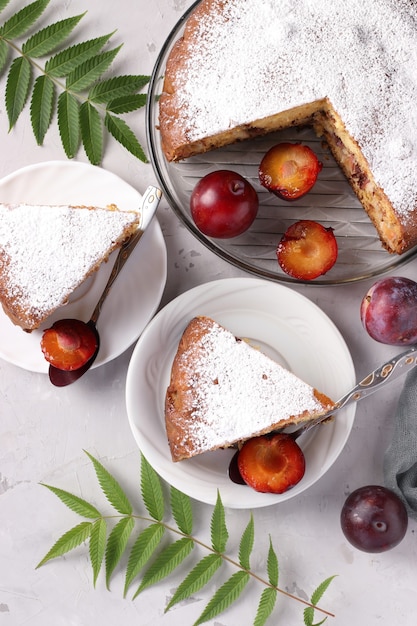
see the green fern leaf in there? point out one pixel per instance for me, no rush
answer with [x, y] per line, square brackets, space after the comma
[124, 135]
[68, 123]
[111, 488]
[318, 593]
[17, 88]
[70, 540]
[69, 59]
[272, 565]
[151, 490]
[116, 87]
[246, 544]
[219, 534]
[88, 72]
[97, 546]
[116, 545]
[166, 562]
[315, 599]
[3, 4]
[4, 50]
[224, 596]
[21, 21]
[76, 504]
[126, 104]
[142, 550]
[41, 107]
[47, 39]
[91, 132]
[266, 606]
[309, 617]
[182, 511]
[199, 576]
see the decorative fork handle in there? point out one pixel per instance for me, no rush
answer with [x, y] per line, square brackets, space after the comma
[150, 203]
[392, 369]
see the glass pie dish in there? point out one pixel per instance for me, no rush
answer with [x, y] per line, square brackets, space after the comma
[332, 202]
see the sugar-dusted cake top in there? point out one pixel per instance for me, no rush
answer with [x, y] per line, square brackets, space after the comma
[223, 390]
[47, 251]
[250, 59]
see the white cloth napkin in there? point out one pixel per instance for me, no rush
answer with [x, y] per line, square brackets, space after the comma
[400, 460]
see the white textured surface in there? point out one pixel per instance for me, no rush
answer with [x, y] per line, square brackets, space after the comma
[43, 431]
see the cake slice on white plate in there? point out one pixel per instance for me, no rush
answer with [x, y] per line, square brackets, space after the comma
[47, 251]
[222, 391]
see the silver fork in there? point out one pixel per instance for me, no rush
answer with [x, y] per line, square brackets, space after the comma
[389, 371]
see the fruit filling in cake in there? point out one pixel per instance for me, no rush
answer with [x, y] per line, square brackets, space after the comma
[248, 67]
[223, 391]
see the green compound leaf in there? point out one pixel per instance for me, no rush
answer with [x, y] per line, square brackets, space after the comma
[47, 39]
[41, 107]
[199, 576]
[21, 21]
[116, 87]
[4, 50]
[315, 599]
[126, 104]
[111, 488]
[69, 59]
[143, 548]
[151, 490]
[266, 606]
[182, 511]
[166, 562]
[219, 534]
[68, 123]
[76, 504]
[17, 88]
[91, 132]
[116, 545]
[3, 4]
[70, 540]
[246, 544]
[272, 566]
[225, 596]
[124, 135]
[88, 72]
[97, 546]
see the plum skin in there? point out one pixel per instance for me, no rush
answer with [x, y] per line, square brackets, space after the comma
[223, 204]
[374, 519]
[388, 311]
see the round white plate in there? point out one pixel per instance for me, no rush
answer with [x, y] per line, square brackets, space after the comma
[135, 295]
[289, 328]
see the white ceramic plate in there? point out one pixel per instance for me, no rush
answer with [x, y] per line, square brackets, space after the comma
[135, 295]
[289, 328]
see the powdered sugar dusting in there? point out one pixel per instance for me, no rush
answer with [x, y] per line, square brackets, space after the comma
[48, 250]
[236, 391]
[259, 57]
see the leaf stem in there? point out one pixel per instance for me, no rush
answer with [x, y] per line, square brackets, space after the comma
[236, 564]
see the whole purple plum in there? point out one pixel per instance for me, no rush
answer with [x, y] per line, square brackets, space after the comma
[389, 311]
[374, 519]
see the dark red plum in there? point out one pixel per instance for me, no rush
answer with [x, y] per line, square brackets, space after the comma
[374, 519]
[223, 204]
[389, 311]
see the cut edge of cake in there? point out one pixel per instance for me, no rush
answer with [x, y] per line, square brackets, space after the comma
[223, 391]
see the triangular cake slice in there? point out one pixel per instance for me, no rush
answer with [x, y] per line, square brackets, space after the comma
[223, 391]
[47, 251]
